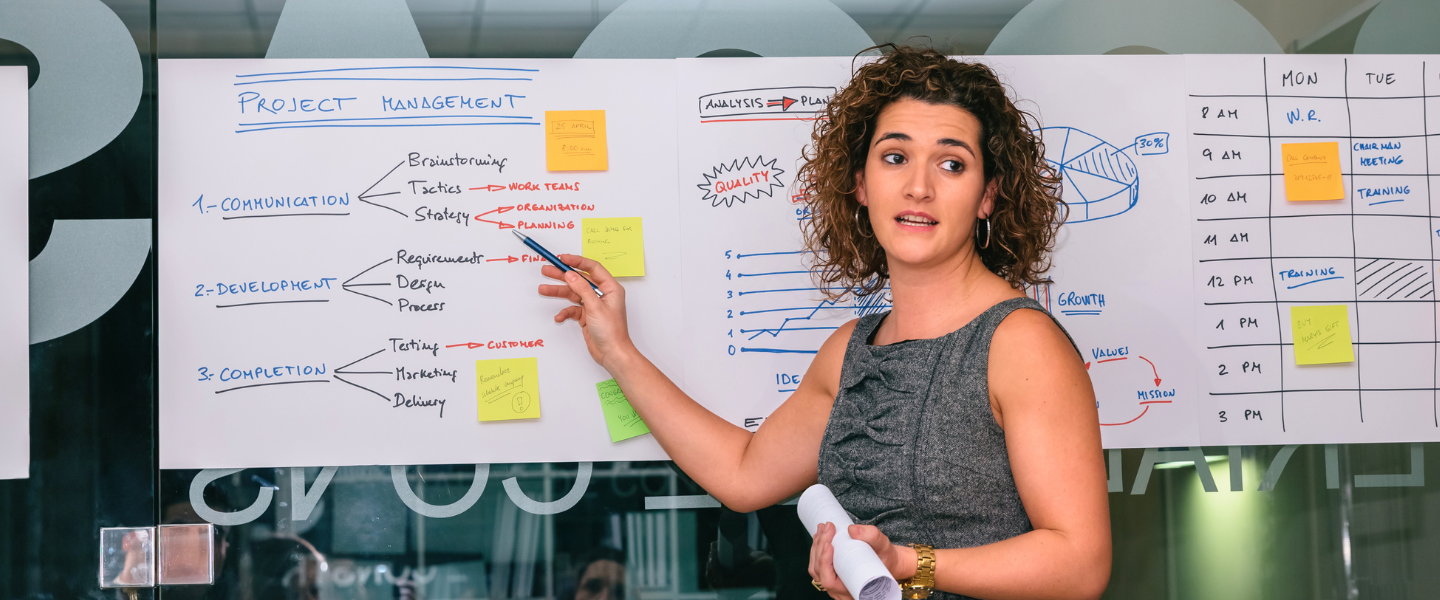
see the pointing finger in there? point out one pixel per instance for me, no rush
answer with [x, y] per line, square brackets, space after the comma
[598, 273]
[578, 286]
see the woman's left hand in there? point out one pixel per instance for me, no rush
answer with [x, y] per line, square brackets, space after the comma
[822, 557]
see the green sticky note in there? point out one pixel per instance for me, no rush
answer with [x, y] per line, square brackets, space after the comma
[1321, 334]
[620, 417]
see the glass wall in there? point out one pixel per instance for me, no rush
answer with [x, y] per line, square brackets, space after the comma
[1311, 521]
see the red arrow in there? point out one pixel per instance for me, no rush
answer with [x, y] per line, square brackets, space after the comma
[502, 225]
[467, 345]
[501, 210]
[508, 259]
[1152, 370]
[1087, 366]
[784, 103]
[490, 188]
[1137, 418]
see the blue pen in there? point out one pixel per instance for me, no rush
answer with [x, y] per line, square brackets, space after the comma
[554, 260]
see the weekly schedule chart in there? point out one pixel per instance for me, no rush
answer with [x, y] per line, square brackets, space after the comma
[1267, 263]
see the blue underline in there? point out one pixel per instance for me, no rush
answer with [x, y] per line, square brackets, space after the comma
[804, 289]
[385, 69]
[1310, 282]
[386, 79]
[778, 351]
[772, 253]
[383, 119]
[1387, 201]
[385, 125]
[770, 310]
[784, 330]
[772, 273]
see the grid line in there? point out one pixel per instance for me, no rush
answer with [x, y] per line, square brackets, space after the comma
[1354, 243]
[1270, 228]
[1430, 209]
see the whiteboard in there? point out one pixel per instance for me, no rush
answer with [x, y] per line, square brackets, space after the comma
[15, 270]
[756, 320]
[755, 317]
[705, 152]
[320, 205]
[1256, 254]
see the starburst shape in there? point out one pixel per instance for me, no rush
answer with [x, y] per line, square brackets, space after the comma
[741, 180]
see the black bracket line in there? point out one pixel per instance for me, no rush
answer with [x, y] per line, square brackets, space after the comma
[372, 267]
[342, 380]
[366, 194]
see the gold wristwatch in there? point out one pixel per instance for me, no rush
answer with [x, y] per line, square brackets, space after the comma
[919, 586]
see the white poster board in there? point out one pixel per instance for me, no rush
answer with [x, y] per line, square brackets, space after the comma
[1121, 286]
[298, 197]
[281, 233]
[755, 319]
[15, 271]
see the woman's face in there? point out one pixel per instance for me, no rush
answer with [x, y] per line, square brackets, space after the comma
[924, 182]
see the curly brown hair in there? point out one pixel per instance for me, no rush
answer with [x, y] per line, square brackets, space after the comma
[1028, 210]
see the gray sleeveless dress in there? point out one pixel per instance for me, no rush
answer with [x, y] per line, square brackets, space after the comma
[912, 446]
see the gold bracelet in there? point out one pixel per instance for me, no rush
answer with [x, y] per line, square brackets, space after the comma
[920, 586]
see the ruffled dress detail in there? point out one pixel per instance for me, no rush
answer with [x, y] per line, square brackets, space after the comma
[912, 446]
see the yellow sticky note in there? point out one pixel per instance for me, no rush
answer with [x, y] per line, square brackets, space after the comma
[508, 388]
[575, 140]
[619, 244]
[1312, 171]
[1321, 334]
[620, 418]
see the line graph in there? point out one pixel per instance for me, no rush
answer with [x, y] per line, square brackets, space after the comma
[860, 306]
[824, 305]
[784, 315]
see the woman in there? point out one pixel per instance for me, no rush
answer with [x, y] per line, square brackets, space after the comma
[963, 419]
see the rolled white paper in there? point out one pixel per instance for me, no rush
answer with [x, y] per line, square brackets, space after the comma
[856, 563]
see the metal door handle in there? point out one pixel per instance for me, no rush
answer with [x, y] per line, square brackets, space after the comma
[135, 557]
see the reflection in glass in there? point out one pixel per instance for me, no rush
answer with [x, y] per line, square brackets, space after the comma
[127, 557]
[186, 554]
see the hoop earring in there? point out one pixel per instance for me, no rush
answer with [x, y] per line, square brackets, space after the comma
[986, 221]
[858, 226]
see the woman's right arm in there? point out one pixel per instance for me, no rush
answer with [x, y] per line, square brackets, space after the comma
[744, 471]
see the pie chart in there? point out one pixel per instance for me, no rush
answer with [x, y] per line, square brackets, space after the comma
[1100, 180]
